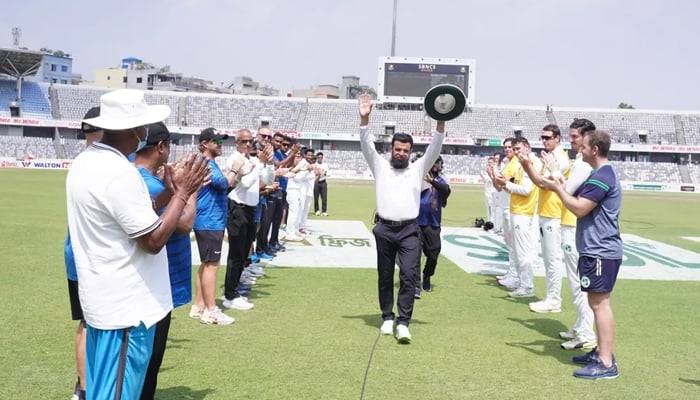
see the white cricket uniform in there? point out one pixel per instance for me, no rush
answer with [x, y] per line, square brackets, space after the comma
[583, 327]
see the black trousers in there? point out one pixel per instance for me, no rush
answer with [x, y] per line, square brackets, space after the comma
[241, 234]
[280, 203]
[159, 341]
[321, 190]
[404, 242]
[432, 244]
[262, 242]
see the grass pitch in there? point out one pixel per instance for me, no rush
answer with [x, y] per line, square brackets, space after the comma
[312, 329]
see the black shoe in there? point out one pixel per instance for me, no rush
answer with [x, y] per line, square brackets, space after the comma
[427, 286]
[417, 293]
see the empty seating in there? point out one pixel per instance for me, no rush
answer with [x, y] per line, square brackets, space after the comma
[35, 98]
[20, 147]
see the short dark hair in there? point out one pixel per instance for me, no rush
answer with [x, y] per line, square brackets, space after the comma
[554, 128]
[522, 140]
[278, 134]
[319, 154]
[508, 139]
[601, 140]
[401, 138]
[582, 125]
[307, 150]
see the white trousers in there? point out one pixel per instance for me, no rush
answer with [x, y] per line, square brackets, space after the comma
[294, 199]
[552, 256]
[584, 315]
[306, 203]
[508, 239]
[524, 248]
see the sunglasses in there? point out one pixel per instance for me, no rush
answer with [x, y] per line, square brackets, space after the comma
[245, 140]
[218, 141]
[545, 138]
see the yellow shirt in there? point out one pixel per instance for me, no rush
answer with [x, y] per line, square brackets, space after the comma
[550, 205]
[511, 166]
[521, 204]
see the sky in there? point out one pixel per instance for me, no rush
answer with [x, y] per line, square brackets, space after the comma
[574, 53]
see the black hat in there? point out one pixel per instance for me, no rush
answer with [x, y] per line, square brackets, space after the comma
[211, 134]
[94, 112]
[156, 133]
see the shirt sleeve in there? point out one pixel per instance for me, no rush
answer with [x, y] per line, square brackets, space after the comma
[218, 180]
[130, 205]
[431, 153]
[368, 150]
[580, 171]
[597, 186]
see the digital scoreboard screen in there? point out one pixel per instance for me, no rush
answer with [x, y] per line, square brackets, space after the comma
[415, 79]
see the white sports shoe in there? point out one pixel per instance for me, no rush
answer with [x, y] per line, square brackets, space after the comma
[509, 283]
[293, 238]
[216, 317]
[239, 303]
[196, 311]
[402, 334]
[387, 327]
[521, 292]
[568, 335]
[324, 214]
[317, 213]
[578, 343]
[544, 306]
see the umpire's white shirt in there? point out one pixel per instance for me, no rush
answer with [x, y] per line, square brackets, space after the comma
[398, 190]
[120, 284]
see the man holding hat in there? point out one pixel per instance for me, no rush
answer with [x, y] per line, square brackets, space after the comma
[118, 241]
[92, 134]
[209, 227]
[398, 188]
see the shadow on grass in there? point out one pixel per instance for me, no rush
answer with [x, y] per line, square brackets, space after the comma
[182, 392]
[492, 283]
[374, 320]
[690, 381]
[546, 327]
[517, 300]
[548, 348]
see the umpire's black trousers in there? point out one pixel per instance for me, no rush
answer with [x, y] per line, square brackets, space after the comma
[241, 234]
[403, 241]
[321, 190]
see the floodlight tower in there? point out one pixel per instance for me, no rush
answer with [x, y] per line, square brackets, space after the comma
[16, 35]
[393, 32]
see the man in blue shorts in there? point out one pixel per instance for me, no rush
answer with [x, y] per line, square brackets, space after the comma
[596, 204]
[92, 134]
[149, 161]
[118, 242]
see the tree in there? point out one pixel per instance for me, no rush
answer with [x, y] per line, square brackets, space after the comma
[625, 106]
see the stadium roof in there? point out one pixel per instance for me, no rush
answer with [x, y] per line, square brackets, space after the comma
[19, 63]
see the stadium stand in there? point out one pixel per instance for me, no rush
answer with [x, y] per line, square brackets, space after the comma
[694, 172]
[625, 125]
[648, 171]
[20, 147]
[229, 111]
[35, 98]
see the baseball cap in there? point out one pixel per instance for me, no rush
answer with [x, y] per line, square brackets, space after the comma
[94, 112]
[211, 134]
[156, 133]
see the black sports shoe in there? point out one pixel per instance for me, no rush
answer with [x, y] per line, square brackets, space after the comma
[427, 286]
[585, 359]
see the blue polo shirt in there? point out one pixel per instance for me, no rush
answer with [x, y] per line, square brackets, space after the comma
[279, 156]
[212, 203]
[178, 248]
[431, 201]
[598, 233]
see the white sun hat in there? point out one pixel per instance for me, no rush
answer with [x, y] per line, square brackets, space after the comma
[126, 109]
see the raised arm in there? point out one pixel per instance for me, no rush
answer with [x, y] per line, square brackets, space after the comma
[433, 150]
[366, 144]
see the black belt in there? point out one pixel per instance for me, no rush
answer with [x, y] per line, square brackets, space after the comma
[237, 204]
[396, 223]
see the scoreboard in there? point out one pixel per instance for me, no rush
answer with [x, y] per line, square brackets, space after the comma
[407, 79]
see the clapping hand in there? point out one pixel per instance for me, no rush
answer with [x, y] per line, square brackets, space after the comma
[188, 175]
[550, 162]
[554, 184]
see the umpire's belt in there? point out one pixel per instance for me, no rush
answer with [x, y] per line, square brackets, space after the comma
[396, 223]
